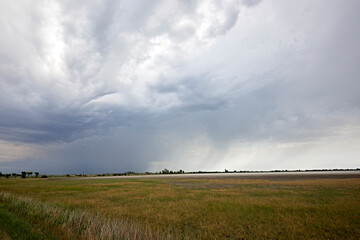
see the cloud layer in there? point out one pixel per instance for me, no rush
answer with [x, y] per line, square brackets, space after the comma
[109, 86]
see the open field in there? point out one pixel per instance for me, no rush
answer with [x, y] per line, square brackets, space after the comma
[181, 208]
[301, 175]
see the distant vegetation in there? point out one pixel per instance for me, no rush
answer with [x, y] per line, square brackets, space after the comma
[25, 174]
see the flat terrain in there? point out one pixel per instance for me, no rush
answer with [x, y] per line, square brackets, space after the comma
[252, 175]
[309, 205]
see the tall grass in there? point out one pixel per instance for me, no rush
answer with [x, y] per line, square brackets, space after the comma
[58, 222]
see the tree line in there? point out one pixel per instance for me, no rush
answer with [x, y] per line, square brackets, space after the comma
[23, 174]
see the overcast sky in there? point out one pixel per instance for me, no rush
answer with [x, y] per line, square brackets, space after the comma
[113, 86]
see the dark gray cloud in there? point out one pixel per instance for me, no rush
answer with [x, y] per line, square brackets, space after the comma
[114, 86]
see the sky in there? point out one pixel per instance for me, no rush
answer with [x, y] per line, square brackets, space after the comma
[106, 86]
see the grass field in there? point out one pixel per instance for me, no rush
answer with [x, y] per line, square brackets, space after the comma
[179, 209]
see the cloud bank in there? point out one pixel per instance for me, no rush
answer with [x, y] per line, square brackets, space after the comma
[111, 86]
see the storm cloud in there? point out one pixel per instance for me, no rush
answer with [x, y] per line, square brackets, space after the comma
[112, 86]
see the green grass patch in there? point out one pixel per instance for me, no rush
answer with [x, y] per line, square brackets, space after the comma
[16, 227]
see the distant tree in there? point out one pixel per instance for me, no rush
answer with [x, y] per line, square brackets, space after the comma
[226, 170]
[44, 176]
[29, 173]
[1, 174]
[36, 174]
[23, 174]
[7, 175]
[165, 171]
[14, 174]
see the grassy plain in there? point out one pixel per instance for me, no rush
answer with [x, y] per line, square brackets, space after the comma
[152, 208]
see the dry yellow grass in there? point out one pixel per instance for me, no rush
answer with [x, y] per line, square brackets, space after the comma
[38, 220]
